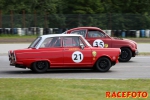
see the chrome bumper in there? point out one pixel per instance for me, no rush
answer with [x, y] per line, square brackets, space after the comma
[136, 52]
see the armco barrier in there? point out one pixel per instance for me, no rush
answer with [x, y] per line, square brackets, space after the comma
[19, 31]
[46, 31]
[43, 31]
[113, 33]
[108, 32]
[117, 33]
[123, 34]
[13, 31]
[127, 33]
[137, 33]
[132, 33]
[142, 33]
[7, 30]
[147, 33]
[104, 31]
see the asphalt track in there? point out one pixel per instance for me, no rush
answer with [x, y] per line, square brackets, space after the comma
[137, 67]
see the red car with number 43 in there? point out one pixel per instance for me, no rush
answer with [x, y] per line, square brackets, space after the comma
[96, 37]
[63, 51]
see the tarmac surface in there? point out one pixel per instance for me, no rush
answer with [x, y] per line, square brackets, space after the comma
[137, 68]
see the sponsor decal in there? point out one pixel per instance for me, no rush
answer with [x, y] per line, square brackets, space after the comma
[106, 46]
[73, 49]
[94, 53]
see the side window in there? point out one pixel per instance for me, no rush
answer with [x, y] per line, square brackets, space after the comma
[51, 42]
[81, 32]
[95, 34]
[72, 41]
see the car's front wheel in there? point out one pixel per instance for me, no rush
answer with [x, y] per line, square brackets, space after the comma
[126, 55]
[40, 66]
[103, 64]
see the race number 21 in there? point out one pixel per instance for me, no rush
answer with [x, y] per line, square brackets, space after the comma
[77, 56]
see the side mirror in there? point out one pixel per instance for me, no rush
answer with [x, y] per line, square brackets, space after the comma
[82, 46]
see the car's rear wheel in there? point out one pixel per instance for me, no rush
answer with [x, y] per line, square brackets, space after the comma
[126, 55]
[40, 66]
[103, 64]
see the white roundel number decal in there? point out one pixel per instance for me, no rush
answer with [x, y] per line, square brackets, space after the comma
[98, 43]
[77, 56]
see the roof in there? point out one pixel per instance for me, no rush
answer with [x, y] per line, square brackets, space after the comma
[85, 28]
[56, 35]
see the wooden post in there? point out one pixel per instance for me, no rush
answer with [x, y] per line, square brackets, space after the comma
[35, 19]
[11, 14]
[110, 21]
[46, 20]
[0, 18]
[23, 19]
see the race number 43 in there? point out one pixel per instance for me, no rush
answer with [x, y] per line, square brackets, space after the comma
[77, 56]
[98, 43]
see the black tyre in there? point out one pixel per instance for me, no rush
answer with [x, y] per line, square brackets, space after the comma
[103, 64]
[126, 55]
[40, 66]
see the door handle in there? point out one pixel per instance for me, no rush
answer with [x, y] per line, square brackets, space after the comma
[65, 49]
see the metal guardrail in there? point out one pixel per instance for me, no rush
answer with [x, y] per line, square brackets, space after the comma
[43, 31]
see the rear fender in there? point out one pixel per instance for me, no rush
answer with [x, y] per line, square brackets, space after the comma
[29, 62]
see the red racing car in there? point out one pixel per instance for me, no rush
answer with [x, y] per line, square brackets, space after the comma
[96, 37]
[63, 51]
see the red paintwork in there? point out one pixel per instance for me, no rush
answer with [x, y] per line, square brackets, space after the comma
[61, 57]
[111, 41]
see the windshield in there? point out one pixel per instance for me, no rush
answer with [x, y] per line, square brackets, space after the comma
[86, 41]
[35, 42]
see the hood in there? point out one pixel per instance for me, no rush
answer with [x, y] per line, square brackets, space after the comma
[125, 40]
[18, 50]
[130, 41]
[117, 38]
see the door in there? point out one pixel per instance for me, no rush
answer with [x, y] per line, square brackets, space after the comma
[52, 50]
[74, 56]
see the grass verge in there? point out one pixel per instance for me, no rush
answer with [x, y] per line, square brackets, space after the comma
[68, 89]
[16, 36]
[144, 53]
